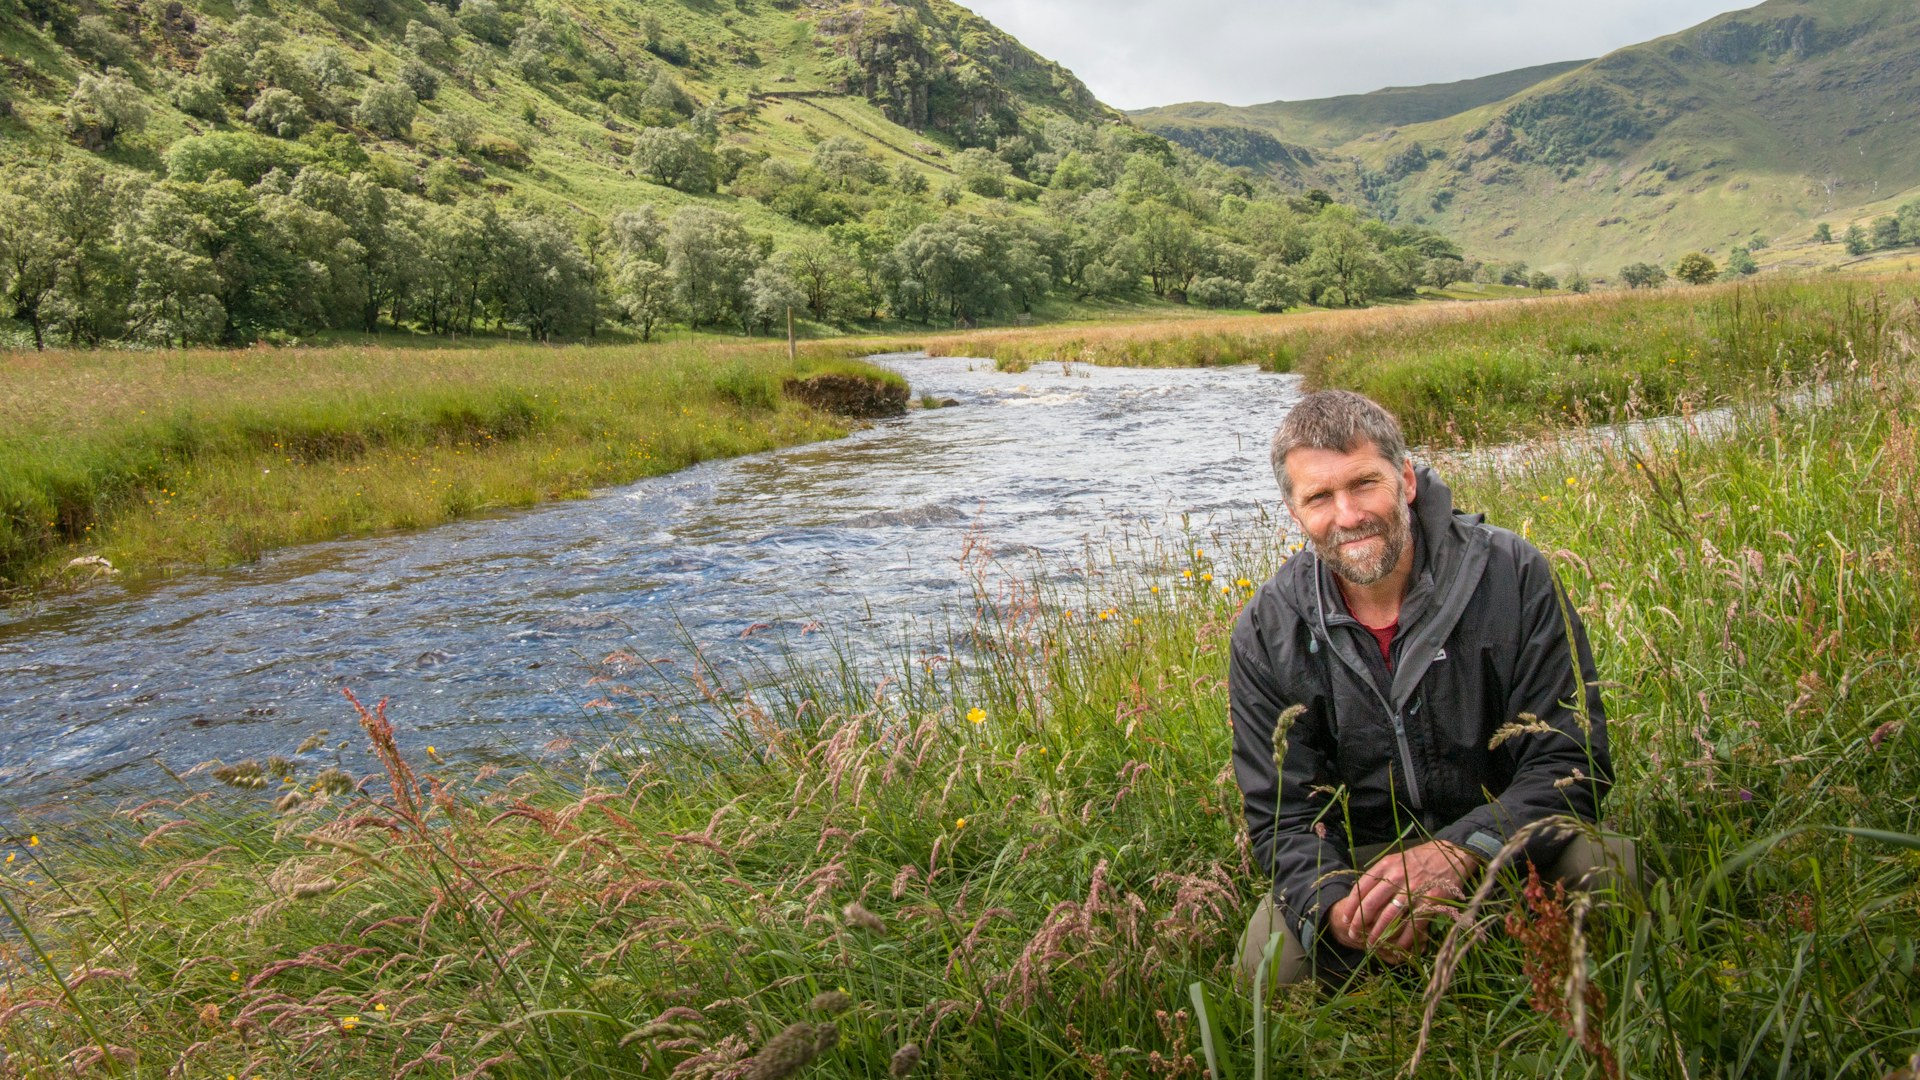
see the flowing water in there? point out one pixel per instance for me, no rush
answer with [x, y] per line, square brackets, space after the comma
[482, 632]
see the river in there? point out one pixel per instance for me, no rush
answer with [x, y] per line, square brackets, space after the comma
[483, 632]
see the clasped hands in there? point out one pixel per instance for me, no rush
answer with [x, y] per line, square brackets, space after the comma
[1393, 900]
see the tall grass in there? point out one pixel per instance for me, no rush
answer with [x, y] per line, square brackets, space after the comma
[1472, 373]
[1018, 856]
[204, 458]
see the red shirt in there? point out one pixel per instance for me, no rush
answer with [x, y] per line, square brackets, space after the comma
[1384, 635]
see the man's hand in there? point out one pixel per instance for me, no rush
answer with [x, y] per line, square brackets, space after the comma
[1391, 903]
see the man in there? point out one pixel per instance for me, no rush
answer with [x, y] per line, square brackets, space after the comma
[1436, 695]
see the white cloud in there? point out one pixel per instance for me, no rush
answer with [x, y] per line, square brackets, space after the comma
[1136, 53]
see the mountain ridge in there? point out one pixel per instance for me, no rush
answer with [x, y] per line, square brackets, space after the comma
[1748, 127]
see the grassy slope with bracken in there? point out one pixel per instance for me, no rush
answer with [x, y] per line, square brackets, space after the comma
[206, 458]
[1031, 862]
[568, 134]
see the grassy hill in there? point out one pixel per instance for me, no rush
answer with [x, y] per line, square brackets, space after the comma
[1753, 125]
[539, 99]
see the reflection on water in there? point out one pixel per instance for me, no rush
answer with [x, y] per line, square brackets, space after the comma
[480, 631]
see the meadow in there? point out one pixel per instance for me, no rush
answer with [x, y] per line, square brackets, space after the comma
[1022, 854]
[205, 458]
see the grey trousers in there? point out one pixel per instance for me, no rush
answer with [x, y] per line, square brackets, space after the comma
[1585, 864]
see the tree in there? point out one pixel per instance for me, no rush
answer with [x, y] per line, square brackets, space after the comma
[1886, 231]
[712, 257]
[674, 157]
[1343, 261]
[952, 267]
[104, 107]
[643, 293]
[1823, 233]
[1274, 287]
[1443, 272]
[387, 109]
[29, 263]
[846, 164]
[278, 112]
[982, 173]
[175, 302]
[1642, 275]
[1577, 282]
[1856, 240]
[1540, 281]
[1217, 292]
[772, 294]
[85, 209]
[416, 76]
[1696, 268]
[1740, 262]
[542, 277]
[828, 280]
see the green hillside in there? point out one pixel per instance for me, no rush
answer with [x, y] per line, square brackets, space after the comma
[175, 172]
[1752, 126]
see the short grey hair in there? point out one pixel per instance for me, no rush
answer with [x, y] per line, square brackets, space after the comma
[1338, 420]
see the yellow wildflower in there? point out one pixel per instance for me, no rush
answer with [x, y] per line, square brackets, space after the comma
[960, 823]
[1206, 577]
[9, 858]
[379, 1006]
[1186, 573]
[977, 715]
[348, 1023]
[1244, 583]
[233, 976]
[33, 841]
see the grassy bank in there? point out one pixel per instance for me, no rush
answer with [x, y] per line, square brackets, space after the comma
[1022, 865]
[205, 458]
[1474, 373]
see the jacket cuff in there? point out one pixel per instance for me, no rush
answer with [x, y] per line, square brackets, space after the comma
[1478, 837]
[1309, 924]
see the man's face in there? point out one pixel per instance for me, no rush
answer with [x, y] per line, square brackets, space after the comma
[1353, 507]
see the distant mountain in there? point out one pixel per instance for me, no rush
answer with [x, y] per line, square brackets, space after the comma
[1752, 125]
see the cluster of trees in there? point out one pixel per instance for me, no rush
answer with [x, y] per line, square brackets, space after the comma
[1898, 229]
[1694, 268]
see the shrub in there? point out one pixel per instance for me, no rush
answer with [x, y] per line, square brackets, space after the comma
[387, 109]
[278, 112]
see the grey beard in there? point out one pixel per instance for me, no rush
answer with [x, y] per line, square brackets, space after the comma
[1398, 534]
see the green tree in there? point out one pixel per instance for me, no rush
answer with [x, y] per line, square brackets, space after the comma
[771, 295]
[674, 157]
[1275, 288]
[951, 268]
[387, 109]
[102, 108]
[1823, 233]
[278, 112]
[1577, 282]
[712, 258]
[542, 277]
[643, 293]
[1342, 261]
[847, 165]
[84, 209]
[1740, 262]
[175, 302]
[29, 259]
[1643, 275]
[1886, 231]
[1696, 268]
[1856, 240]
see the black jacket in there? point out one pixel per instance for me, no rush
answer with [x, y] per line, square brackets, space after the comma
[1484, 637]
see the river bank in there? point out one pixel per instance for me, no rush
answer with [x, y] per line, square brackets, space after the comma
[1487, 372]
[1020, 858]
[193, 459]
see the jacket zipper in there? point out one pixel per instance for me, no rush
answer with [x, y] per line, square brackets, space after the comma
[1406, 760]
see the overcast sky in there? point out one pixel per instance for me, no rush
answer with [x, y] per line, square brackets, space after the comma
[1137, 53]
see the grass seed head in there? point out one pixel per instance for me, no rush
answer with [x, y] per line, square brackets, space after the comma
[905, 1060]
[786, 1053]
[831, 1002]
[857, 914]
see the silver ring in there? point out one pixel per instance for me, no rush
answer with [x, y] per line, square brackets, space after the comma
[1397, 902]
